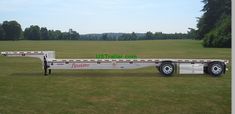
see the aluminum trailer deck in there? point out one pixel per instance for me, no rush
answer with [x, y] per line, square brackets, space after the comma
[167, 67]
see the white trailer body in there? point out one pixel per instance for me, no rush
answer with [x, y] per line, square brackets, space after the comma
[167, 67]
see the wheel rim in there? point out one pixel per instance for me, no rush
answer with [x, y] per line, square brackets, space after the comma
[167, 69]
[216, 69]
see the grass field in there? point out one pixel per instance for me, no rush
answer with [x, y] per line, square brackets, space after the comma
[24, 89]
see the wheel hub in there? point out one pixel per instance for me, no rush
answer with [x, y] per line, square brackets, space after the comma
[216, 69]
[167, 69]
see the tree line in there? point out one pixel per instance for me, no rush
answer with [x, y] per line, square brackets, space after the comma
[34, 32]
[11, 30]
[135, 36]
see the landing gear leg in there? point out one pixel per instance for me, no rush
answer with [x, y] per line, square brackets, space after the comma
[45, 66]
[49, 71]
[45, 71]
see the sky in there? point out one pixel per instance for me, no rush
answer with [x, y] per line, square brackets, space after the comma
[103, 16]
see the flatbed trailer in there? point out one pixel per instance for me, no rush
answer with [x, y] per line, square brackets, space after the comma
[214, 67]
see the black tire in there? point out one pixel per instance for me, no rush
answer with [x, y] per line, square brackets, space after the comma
[166, 68]
[216, 68]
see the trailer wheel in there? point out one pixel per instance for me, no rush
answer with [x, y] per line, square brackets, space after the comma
[215, 68]
[166, 68]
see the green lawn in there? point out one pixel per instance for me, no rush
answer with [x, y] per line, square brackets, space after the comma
[24, 89]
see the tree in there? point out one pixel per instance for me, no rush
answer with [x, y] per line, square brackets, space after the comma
[159, 35]
[216, 17]
[65, 36]
[58, 35]
[32, 33]
[44, 33]
[73, 35]
[12, 30]
[2, 33]
[220, 36]
[149, 36]
[35, 32]
[133, 36]
[104, 37]
[192, 33]
[125, 37]
[27, 33]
